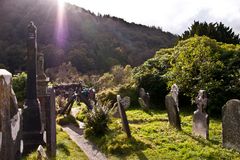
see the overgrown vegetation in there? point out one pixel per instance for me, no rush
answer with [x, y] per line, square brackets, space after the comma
[96, 121]
[194, 64]
[19, 86]
[66, 119]
[153, 138]
[118, 81]
[66, 148]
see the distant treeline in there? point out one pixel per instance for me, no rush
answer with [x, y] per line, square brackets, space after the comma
[92, 43]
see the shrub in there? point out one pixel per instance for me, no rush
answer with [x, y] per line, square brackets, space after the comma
[150, 76]
[194, 64]
[66, 119]
[19, 86]
[97, 120]
[81, 115]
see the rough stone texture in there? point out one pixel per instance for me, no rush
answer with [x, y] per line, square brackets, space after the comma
[231, 124]
[173, 114]
[51, 125]
[200, 117]
[200, 124]
[10, 120]
[125, 101]
[123, 117]
[6, 147]
[174, 92]
[144, 99]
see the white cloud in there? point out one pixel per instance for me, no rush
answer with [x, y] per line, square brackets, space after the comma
[171, 15]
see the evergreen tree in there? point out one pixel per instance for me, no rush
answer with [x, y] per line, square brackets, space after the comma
[216, 31]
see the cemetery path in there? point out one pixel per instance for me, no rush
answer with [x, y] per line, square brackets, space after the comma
[76, 134]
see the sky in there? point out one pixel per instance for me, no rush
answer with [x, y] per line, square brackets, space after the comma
[174, 16]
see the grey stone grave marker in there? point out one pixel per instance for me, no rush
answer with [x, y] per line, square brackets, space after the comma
[172, 109]
[200, 117]
[231, 124]
[144, 99]
[123, 117]
[126, 101]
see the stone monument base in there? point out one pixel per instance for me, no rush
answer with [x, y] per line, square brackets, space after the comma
[32, 128]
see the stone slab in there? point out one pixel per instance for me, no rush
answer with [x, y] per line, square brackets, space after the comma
[173, 114]
[200, 124]
[231, 124]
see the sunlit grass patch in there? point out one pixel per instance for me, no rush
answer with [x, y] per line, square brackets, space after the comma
[153, 138]
[66, 148]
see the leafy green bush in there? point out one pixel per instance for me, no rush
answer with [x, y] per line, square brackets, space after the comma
[81, 115]
[19, 86]
[194, 64]
[66, 119]
[150, 76]
[97, 120]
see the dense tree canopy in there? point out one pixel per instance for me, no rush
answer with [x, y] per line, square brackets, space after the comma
[216, 31]
[92, 43]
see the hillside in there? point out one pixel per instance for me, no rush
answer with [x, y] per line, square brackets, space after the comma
[92, 43]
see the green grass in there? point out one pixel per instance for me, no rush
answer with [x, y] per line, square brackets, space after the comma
[66, 149]
[154, 139]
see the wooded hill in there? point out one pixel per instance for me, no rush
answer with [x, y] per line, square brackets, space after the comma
[93, 43]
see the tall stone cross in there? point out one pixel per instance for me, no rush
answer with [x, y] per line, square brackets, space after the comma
[200, 117]
[32, 127]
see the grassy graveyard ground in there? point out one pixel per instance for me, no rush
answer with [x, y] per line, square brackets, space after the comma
[66, 148]
[154, 139]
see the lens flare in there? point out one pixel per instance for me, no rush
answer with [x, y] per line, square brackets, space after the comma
[61, 26]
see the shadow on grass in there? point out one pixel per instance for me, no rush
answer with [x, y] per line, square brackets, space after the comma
[137, 121]
[124, 147]
[208, 142]
[141, 156]
[63, 148]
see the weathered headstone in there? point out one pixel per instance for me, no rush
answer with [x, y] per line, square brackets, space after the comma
[51, 125]
[144, 99]
[123, 117]
[173, 111]
[32, 126]
[200, 117]
[125, 103]
[10, 120]
[174, 92]
[6, 147]
[231, 124]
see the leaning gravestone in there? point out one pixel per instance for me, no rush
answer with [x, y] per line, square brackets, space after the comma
[200, 117]
[123, 117]
[231, 124]
[173, 111]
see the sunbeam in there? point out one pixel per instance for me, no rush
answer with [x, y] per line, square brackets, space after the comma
[61, 26]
